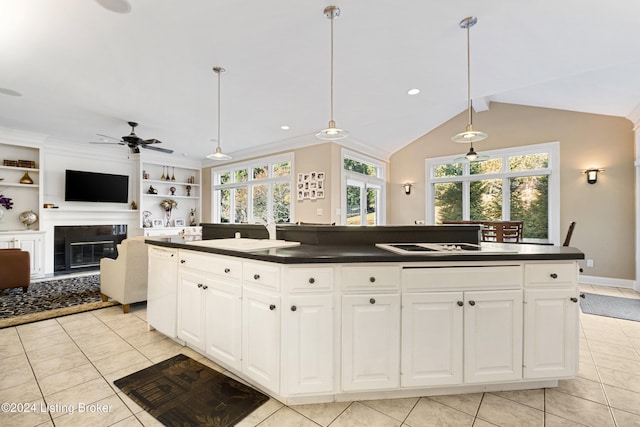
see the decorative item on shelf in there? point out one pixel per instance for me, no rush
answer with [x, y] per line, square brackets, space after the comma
[162, 177]
[5, 203]
[188, 188]
[134, 206]
[145, 175]
[26, 179]
[26, 164]
[146, 219]
[173, 174]
[178, 223]
[13, 163]
[191, 180]
[192, 217]
[157, 223]
[28, 218]
[168, 205]
[173, 190]
[152, 190]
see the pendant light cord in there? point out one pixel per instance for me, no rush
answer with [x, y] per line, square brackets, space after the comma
[331, 79]
[219, 108]
[469, 74]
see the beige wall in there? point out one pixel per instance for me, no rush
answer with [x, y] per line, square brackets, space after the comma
[604, 212]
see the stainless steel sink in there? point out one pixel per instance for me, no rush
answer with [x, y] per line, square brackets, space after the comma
[244, 244]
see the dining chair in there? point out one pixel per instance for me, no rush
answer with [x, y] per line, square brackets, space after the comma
[567, 239]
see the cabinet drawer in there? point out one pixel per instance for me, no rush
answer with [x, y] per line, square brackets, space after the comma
[168, 255]
[310, 279]
[217, 265]
[462, 277]
[371, 277]
[551, 274]
[262, 274]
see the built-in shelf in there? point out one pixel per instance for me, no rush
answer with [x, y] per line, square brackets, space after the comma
[158, 181]
[15, 168]
[10, 184]
[173, 196]
[67, 209]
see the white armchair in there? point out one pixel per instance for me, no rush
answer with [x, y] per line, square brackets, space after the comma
[124, 279]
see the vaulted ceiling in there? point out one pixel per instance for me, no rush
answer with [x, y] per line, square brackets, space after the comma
[82, 69]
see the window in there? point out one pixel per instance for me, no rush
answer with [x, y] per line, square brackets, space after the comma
[260, 189]
[520, 183]
[363, 190]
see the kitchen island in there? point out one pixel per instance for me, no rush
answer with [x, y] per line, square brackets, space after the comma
[332, 320]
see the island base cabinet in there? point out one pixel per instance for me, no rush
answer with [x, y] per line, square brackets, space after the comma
[492, 336]
[223, 317]
[261, 337]
[308, 344]
[162, 290]
[550, 338]
[370, 342]
[432, 339]
[191, 306]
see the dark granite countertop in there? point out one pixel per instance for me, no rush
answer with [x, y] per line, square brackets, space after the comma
[345, 253]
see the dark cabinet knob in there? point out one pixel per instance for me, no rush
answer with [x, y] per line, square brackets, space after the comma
[554, 276]
[199, 285]
[205, 287]
[460, 303]
[294, 308]
[312, 280]
[582, 295]
[172, 255]
[256, 276]
[227, 270]
[372, 301]
[182, 261]
[472, 302]
[372, 279]
[574, 299]
[272, 307]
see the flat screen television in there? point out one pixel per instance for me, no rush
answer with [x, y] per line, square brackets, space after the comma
[82, 186]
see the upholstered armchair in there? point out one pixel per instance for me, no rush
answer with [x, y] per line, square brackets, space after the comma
[15, 269]
[124, 279]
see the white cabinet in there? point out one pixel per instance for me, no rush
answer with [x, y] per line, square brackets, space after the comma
[191, 308]
[308, 331]
[162, 289]
[370, 341]
[156, 184]
[30, 241]
[261, 337]
[550, 320]
[223, 319]
[432, 328]
[492, 336]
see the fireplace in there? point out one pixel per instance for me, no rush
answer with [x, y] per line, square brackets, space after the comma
[80, 248]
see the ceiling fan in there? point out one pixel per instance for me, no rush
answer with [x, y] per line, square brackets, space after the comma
[134, 142]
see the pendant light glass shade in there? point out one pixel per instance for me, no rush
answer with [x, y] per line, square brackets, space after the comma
[469, 135]
[218, 155]
[332, 133]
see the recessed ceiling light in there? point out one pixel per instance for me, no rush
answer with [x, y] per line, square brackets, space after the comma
[117, 6]
[9, 92]
[285, 127]
[413, 91]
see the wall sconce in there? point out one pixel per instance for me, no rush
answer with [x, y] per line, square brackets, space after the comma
[407, 188]
[592, 175]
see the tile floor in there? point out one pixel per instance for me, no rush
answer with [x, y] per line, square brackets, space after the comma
[54, 364]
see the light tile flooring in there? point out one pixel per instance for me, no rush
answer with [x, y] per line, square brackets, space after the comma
[50, 366]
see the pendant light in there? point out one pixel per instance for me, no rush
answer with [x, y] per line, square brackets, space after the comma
[332, 133]
[218, 155]
[469, 135]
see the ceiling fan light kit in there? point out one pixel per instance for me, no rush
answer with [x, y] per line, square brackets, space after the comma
[469, 135]
[332, 132]
[218, 155]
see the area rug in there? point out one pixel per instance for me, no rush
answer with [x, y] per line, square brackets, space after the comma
[183, 392]
[604, 305]
[49, 299]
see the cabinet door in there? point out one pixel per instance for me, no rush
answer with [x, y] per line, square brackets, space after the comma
[370, 341]
[191, 300]
[550, 333]
[162, 290]
[223, 319]
[261, 337]
[308, 343]
[33, 245]
[432, 338]
[492, 336]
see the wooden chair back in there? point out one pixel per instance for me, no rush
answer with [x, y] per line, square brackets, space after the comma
[569, 233]
[502, 231]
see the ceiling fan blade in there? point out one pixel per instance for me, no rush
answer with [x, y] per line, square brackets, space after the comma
[110, 137]
[152, 141]
[151, 147]
[106, 143]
